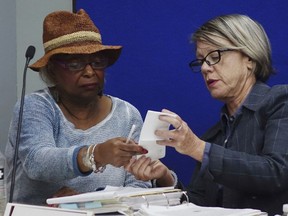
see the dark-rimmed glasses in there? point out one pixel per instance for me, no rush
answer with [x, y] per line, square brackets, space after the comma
[97, 64]
[211, 58]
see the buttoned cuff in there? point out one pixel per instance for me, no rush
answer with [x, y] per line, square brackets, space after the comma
[205, 160]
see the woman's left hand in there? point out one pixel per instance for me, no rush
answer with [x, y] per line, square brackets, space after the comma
[144, 169]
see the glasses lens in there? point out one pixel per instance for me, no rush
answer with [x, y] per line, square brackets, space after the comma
[96, 64]
[99, 63]
[213, 57]
[75, 66]
[195, 65]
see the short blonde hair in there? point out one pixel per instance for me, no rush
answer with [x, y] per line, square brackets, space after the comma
[245, 35]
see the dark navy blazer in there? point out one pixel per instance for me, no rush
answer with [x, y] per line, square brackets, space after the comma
[251, 169]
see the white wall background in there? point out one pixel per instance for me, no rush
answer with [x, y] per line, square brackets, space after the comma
[20, 26]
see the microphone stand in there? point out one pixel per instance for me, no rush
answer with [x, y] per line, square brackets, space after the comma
[29, 55]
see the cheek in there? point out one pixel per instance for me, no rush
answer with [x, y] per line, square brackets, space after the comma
[100, 75]
[65, 78]
[239, 72]
[231, 73]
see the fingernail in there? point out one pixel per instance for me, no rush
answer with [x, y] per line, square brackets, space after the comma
[144, 151]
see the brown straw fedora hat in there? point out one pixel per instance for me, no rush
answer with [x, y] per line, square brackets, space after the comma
[72, 33]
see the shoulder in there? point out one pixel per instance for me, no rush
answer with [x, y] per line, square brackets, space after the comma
[278, 91]
[263, 95]
[42, 94]
[276, 99]
[123, 105]
[124, 111]
[268, 102]
[277, 94]
[40, 100]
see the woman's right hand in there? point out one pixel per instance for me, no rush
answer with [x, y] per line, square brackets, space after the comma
[117, 152]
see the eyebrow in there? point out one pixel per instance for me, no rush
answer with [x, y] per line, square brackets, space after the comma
[208, 51]
[199, 56]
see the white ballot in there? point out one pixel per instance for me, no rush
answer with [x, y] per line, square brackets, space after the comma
[148, 138]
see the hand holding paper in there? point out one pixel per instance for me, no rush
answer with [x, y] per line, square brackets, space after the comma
[148, 138]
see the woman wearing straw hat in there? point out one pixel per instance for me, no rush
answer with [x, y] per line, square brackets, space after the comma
[73, 136]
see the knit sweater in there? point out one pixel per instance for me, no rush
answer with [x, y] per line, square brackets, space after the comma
[49, 144]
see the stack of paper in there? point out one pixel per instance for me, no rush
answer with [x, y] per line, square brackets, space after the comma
[191, 209]
[121, 199]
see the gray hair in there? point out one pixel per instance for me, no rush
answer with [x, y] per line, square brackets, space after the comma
[46, 77]
[245, 35]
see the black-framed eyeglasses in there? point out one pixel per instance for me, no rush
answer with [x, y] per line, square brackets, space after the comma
[97, 64]
[211, 58]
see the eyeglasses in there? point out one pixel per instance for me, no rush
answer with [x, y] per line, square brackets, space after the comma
[97, 64]
[211, 58]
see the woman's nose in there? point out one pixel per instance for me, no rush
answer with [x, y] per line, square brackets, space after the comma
[89, 71]
[205, 68]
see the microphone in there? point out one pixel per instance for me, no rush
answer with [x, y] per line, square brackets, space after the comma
[30, 52]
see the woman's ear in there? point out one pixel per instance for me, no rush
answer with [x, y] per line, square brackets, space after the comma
[250, 63]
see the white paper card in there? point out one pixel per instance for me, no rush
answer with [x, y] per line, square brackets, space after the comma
[16, 209]
[148, 138]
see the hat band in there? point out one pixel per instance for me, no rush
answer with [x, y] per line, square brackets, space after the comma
[70, 38]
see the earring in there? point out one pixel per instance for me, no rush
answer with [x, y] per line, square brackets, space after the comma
[100, 93]
[55, 95]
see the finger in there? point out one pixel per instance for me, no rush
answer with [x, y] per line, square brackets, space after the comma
[179, 128]
[168, 111]
[128, 166]
[144, 170]
[132, 148]
[144, 165]
[171, 143]
[176, 134]
[169, 119]
[150, 171]
[164, 134]
[137, 164]
[121, 161]
[178, 122]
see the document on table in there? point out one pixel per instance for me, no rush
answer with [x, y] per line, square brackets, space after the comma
[148, 138]
[124, 199]
[191, 209]
[112, 193]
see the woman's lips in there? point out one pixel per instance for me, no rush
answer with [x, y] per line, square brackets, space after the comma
[89, 86]
[211, 82]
